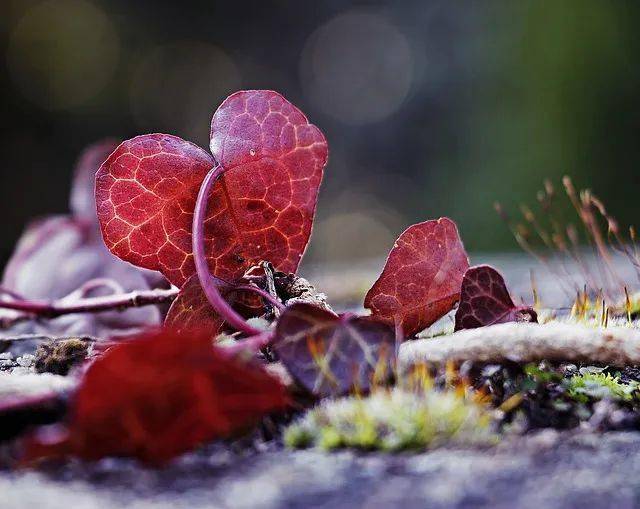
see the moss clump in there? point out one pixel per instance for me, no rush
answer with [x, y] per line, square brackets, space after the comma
[59, 357]
[590, 385]
[393, 420]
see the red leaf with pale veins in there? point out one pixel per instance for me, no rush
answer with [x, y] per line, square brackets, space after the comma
[160, 394]
[262, 209]
[421, 279]
[145, 194]
[332, 355]
[191, 311]
[485, 300]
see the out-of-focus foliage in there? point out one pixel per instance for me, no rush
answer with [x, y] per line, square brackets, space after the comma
[431, 107]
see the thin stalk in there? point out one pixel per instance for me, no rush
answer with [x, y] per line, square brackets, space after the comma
[210, 289]
[56, 308]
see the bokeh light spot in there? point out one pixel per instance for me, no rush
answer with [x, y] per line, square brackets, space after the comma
[177, 87]
[357, 68]
[62, 53]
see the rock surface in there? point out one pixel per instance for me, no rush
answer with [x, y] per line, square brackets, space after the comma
[527, 342]
[547, 469]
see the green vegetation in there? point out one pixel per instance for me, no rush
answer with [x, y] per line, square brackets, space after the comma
[599, 385]
[393, 420]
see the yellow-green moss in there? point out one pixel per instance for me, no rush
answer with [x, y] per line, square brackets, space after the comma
[592, 385]
[393, 420]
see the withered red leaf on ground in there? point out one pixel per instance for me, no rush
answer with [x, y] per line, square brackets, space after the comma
[485, 300]
[262, 208]
[421, 279]
[332, 355]
[159, 395]
[83, 196]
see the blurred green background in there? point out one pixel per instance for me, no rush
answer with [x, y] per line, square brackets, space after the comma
[431, 108]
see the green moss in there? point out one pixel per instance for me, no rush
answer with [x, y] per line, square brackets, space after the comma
[593, 385]
[391, 421]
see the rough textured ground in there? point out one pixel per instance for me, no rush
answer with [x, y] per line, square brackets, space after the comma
[547, 469]
[544, 470]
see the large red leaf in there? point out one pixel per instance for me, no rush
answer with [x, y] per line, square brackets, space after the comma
[485, 300]
[161, 394]
[421, 279]
[331, 355]
[262, 209]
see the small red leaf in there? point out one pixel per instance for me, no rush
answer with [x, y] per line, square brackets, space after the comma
[421, 279]
[83, 196]
[158, 395]
[330, 355]
[262, 208]
[485, 300]
[191, 311]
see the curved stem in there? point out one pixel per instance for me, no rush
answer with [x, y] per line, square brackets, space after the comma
[210, 289]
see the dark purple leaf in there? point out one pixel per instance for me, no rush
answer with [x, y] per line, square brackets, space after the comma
[485, 300]
[331, 355]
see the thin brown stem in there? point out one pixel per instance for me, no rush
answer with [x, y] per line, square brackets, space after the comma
[56, 308]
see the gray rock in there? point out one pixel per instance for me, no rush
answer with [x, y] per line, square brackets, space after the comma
[21, 382]
[547, 469]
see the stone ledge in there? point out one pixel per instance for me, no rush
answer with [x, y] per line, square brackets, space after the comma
[527, 342]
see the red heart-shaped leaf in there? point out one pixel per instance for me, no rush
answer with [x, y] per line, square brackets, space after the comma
[421, 279]
[262, 208]
[160, 394]
[485, 300]
[145, 194]
[330, 355]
